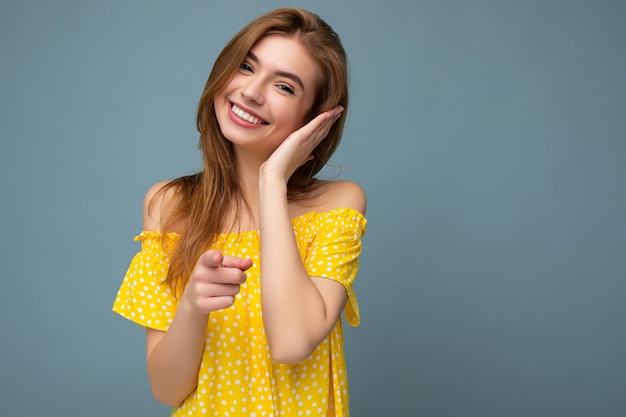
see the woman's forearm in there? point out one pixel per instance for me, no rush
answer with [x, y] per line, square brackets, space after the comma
[294, 311]
[174, 357]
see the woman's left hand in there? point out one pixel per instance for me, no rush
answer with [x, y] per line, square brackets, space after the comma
[297, 148]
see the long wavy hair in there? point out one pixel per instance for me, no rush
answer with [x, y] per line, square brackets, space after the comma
[202, 202]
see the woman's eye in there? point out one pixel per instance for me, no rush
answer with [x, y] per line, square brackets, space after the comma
[286, 88]
[245, 67]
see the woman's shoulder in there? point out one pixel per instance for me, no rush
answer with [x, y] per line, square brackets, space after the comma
[346, 194]
[330, 195]
[157, 203]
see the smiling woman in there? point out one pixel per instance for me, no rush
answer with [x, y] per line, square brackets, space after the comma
[246, 266]
[270, 96]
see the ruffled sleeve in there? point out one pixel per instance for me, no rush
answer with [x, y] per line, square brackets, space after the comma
[334, 252]
[142, 297]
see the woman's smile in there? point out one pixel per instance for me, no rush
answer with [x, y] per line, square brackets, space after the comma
[245, 117]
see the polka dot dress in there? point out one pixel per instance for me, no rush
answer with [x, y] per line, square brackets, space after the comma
[237, 375]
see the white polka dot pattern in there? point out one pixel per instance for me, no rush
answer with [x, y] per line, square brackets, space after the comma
[237, 375]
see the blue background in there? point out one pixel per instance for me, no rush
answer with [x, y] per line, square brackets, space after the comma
[489, 136]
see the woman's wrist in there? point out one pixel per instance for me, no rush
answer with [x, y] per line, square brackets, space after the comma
[271, 181]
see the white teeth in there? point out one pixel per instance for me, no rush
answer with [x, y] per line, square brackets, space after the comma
[246, 116]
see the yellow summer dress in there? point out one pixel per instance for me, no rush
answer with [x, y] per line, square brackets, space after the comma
[237, 375]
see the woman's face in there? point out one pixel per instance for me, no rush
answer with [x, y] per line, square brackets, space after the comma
[269, 97]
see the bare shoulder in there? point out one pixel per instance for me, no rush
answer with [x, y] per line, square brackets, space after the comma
[156, 204]
[343, 194]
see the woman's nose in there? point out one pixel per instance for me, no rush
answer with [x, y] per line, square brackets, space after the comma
[253, 91]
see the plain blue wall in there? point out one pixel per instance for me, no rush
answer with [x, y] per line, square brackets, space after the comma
[489, 136]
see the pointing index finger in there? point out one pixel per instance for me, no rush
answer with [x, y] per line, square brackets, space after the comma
[235, 262]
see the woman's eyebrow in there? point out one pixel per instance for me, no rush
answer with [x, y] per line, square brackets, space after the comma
[285, 74]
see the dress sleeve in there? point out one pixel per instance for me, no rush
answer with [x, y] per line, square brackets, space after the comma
[142, 297]
[334, 253]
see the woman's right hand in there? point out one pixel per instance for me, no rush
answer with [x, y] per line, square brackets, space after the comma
[174, 356]
[214, 282]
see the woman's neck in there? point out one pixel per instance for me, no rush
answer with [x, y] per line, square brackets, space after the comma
[244, 213]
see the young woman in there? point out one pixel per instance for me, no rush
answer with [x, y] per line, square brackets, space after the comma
[246, 267]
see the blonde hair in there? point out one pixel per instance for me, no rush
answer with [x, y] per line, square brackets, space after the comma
[203, 200]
